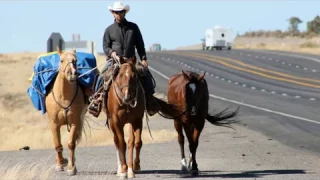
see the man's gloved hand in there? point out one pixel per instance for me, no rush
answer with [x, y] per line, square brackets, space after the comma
[144, 63]
[113, 55]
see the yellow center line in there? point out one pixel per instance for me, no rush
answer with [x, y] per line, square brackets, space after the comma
[257, 68]
[250, 71]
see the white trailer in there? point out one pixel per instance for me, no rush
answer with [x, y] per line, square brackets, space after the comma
[218, 38]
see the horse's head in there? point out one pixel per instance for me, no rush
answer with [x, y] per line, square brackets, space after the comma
[68, 64]
[193, 90]
[127, 80]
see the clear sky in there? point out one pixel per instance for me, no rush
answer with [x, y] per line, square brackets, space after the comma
[26, 25]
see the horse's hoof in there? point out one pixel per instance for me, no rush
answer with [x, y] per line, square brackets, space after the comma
[131, 175]
[118, 172]
[184, 169]
[136, 168]
[60, 167]
[123, 175]
[195, 172]
[72, 172]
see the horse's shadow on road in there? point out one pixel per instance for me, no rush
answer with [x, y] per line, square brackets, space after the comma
[221, 174]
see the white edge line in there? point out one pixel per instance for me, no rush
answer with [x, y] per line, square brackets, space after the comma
[244, 104]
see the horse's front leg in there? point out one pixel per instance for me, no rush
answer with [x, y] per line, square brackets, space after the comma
[130, 149]
[178, 127]
[138, 145]
[72, 170]
[121, 153]
[60, 161]
[116, 143]
[194, 142]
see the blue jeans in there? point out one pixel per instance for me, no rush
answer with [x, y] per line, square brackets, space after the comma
[100, 79]
[146, 82]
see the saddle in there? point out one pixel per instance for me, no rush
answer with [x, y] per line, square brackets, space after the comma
[107, 76]
[112, 72]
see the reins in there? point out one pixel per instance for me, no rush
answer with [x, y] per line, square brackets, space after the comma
[118, 93]
[66, 109]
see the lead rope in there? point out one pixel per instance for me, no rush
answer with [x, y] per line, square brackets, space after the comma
[145, 109]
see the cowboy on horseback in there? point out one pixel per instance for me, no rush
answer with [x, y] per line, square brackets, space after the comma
[120, 39]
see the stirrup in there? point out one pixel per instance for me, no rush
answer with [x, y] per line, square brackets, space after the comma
[95, 108]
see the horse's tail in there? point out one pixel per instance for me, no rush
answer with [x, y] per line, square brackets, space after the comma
[167, 110]
[83, 121]
[81, 129]
[223, 118]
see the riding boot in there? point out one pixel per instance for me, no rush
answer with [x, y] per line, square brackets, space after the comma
[96, 99]
[96, 105]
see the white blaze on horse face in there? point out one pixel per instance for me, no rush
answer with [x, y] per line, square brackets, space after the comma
[193, 110]
[127, 72]
[193, 87]
[126, 94]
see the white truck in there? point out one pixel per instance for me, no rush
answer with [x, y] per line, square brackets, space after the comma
[217, 38]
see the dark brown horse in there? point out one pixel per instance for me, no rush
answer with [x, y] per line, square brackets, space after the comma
[126, 105]
[189, 91]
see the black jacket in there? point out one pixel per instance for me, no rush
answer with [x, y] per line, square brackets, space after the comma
[123, 39]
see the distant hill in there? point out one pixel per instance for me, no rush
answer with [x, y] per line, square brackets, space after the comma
[309, 44]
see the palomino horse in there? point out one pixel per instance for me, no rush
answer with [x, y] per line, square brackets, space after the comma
[189, 91]
[126, 105]
[66, 105]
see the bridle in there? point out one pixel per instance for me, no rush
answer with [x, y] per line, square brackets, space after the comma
[118, 90]
[67, 108]
[68, 64]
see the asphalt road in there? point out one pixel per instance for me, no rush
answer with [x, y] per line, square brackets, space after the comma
[283, 102]
[278, 137]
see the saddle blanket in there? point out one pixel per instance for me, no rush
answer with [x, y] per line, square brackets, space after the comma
[45, 70]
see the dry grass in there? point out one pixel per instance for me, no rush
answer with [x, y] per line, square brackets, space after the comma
[292, 44]
[22, 125]
[279, 34]
[43, 170]
[26, 171]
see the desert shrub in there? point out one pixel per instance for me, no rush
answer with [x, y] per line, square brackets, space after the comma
[309, 45]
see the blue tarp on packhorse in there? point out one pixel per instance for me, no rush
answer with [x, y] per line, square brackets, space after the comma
[46, 69]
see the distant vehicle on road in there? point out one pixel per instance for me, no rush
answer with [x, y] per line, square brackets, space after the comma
[217, 38]
[155, 47]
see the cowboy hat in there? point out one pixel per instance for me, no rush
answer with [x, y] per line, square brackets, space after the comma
[118, 6]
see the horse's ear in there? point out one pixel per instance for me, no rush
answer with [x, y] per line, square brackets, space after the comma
[121, 59]
[59, 51]
[201, 76]
[74, 50]
[185, 75]
[134, 60]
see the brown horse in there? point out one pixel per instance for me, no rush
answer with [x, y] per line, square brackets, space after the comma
[66, 105]
[126, 105]
[189, 91]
